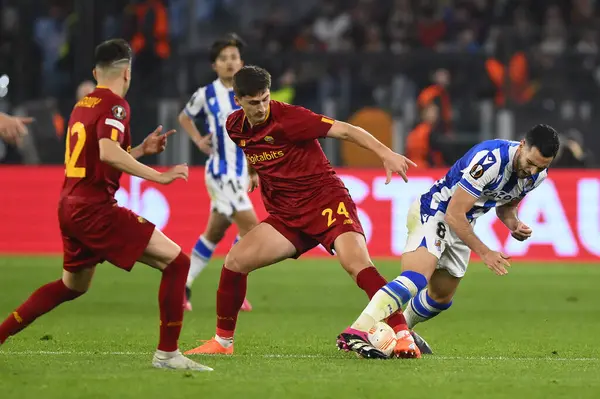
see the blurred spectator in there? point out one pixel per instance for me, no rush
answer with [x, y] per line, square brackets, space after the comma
[50, 33]
[400, 26]
[571, 152]
[431, 29]
[331, 25]
[423, 143]
[85, 88]
[285, 92]
[554, 41]
[150, 44]
[437, 93]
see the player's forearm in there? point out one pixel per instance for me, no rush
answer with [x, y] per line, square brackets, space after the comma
[359, 136]
[463, 229]
[112, 154]
[508, 215]
[137, 152]
[190, 127]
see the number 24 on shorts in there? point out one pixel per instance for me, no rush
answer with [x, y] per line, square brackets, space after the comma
[341, 210]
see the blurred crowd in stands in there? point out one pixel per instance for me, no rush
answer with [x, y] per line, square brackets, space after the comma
[530, 50]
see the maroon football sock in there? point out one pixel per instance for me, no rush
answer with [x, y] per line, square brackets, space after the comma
[40, 302]
[370, 281]
[170, 302]
[230, 296]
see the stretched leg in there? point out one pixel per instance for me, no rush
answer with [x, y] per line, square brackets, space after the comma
[430, 302]
[433, 300]
[261, 247]
[352, 252]
[417, 266]
[44, 299]
[354, 257]
[163, 254]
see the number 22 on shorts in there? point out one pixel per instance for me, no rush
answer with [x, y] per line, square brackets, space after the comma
[341, 210]
[71, 157]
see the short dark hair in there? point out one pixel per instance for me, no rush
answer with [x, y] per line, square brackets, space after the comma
[111, 51]
[251, 80]
[230, 40]
[544, 138]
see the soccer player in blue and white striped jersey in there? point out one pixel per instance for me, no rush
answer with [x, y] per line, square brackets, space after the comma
[226, 173]
[493, 174]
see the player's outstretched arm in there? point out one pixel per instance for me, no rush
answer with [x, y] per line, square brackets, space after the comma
[112, 154]
[456, 217]
[507, 214]
[392, 162]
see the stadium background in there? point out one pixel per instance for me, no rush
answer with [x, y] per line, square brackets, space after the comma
[428, 78]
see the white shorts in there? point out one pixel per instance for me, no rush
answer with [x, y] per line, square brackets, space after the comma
[433, 233]
[228, 195]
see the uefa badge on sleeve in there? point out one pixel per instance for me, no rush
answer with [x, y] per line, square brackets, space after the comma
[119, 112]
[476, 171]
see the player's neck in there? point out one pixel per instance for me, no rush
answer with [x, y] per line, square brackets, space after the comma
[115, 88]
[228, 83]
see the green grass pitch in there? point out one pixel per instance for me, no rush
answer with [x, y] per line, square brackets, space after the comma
[531, 334]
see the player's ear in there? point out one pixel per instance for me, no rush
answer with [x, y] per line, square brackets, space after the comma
[214, 67]
[237, 101]
[95, 74]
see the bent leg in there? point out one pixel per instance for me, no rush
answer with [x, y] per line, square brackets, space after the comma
[433, 300]
[262, 246]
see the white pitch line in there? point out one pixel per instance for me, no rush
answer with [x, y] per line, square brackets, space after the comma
[299, 356]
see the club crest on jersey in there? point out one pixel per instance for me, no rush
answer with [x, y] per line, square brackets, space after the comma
[269, 139]
[119, 112]
[476, 171]
[242, 143]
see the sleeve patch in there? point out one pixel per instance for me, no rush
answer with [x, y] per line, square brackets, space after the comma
[116, 124]
[476, 171]
[119, 112]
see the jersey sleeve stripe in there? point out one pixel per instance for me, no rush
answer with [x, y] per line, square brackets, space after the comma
[114, 135]
[115, 123]
[327, 120]
[469, 188]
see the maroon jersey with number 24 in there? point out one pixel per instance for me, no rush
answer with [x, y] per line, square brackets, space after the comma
[307, 202]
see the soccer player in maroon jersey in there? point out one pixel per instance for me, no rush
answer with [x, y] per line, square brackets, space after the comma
[94, 228]
[307, 203]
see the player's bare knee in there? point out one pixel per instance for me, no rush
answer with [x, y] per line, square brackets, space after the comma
[235, 261]
[79, 282]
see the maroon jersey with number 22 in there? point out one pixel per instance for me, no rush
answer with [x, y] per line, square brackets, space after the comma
[300, 189]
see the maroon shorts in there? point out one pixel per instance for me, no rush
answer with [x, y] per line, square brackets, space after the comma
[93, 233]
[320, 225]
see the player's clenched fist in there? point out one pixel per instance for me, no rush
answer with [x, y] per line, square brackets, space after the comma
[522, 232]
[497, 262]
[396, 163]
[177, 172]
